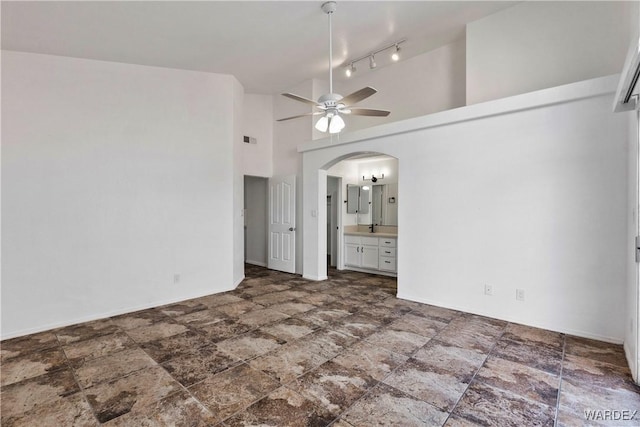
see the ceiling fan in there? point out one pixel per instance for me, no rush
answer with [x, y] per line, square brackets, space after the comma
[333, 105]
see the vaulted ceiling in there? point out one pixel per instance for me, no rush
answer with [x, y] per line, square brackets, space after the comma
[268, 46]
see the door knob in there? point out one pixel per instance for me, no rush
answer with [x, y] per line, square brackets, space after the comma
[292, 229]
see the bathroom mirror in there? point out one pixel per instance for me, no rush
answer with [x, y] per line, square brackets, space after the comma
[353, 198]
[364, 200]
[384, 206]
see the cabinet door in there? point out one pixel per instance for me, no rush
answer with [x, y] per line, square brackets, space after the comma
[352, 255]
[370, 257]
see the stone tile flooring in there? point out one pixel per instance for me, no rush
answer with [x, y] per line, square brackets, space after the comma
[284, 351]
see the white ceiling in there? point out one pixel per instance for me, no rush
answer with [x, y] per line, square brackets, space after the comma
[268, 46]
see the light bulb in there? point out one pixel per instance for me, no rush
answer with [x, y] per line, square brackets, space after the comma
[322, 124]
[348, 72]
[336, 124]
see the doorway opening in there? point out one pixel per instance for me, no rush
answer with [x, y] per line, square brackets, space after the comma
[354, 227]
[255, 220]
[333, 202]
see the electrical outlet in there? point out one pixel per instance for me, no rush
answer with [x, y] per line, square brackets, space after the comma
[176, 278]
[488, 289]
[520, 294]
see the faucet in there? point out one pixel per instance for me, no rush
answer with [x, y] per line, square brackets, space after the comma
[371, 228]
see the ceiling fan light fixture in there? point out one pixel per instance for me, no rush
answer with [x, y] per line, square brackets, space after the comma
[322, 124]
[336, 124]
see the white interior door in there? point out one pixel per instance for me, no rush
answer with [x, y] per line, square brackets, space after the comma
[282, 223]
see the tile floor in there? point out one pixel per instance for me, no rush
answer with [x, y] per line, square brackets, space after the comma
[282, 351]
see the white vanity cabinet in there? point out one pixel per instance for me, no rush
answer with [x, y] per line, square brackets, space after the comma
[375, 254]
[361, 251]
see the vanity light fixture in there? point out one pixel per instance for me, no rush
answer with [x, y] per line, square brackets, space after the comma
[373, 178]
[395, 56]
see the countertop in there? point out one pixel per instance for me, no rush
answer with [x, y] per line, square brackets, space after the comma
[368, 234]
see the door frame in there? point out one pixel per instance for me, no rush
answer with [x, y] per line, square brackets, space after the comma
[338, 224]
[636, 225]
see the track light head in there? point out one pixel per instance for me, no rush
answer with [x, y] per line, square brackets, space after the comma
[372, 62]
[352, 69]
[395, 56]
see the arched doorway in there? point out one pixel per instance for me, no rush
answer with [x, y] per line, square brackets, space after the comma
[369, 184]
[315, 204]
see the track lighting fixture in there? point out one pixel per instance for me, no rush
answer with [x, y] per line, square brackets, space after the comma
[395, 56]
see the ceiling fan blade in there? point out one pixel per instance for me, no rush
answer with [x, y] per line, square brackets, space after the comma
[300, 99]
[358, 95]
[367, 112]
[300, 115]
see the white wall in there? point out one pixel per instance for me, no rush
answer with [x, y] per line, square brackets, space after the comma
[257, 159]
[288, 134]
[527, 192]
[424, 84]
[238, 181]
[255, 199]
[537, 45]
[115, 177]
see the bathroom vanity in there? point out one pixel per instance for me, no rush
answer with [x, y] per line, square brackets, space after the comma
[370, 252]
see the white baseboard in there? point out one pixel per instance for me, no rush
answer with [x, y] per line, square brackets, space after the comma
[315, 278]
[107, 314]
[554, 328]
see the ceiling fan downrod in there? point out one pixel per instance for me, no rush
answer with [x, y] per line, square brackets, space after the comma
[328, 8]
